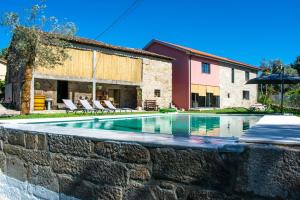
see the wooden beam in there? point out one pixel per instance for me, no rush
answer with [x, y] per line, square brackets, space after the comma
[94, 75]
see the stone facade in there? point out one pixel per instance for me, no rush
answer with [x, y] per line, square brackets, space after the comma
[93, 169]
[157, 75]
[231, 94]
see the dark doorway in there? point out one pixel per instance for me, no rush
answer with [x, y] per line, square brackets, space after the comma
[62, 91]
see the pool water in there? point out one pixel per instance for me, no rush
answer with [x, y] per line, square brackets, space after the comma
[175, 124]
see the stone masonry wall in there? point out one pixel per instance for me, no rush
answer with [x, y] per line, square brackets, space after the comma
[93, 169]
[157, 74]
[235, 89]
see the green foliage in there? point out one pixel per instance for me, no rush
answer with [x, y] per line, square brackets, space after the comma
[31, 46]
[271, 66]
[296, 65]
[2, 85]
[167, 110]
[4, 53]
[265, 100]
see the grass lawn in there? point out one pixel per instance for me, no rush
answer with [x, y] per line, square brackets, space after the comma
[214, 111]
[56, 115]
[230, 111]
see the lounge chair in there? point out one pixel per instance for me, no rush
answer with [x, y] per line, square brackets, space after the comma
[258, 107]
[70, 106]
[99, 106]
[86, 106]
[110, 106]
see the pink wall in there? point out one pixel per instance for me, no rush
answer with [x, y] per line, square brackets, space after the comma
[180, 73]
[197, 77]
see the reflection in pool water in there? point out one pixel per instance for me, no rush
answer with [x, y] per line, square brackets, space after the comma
[176, 124]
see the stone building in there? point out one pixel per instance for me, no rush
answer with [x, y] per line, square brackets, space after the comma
[202, 80]
[97, 70]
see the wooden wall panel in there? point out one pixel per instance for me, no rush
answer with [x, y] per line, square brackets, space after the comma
[79, 65]
[114, 67]
[109, 67]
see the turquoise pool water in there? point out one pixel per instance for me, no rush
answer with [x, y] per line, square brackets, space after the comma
[175, 124]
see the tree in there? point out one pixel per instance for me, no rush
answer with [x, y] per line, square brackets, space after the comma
[296, 65]
[37, 41]
[267, 90]
[4, 53]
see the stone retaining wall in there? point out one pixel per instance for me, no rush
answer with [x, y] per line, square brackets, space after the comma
[91, 169]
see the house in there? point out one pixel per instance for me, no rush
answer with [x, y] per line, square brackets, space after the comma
[202, 80]
[97, 70]
[2, 69]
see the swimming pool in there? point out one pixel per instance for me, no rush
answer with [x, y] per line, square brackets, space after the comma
[183, 125]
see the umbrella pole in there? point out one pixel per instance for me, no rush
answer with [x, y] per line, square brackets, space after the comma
[282, 89]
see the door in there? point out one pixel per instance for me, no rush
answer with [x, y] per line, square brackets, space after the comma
[62, 91]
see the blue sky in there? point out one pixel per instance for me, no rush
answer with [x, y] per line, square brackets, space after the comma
[244, 30]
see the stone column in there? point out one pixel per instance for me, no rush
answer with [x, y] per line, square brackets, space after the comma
[139, 97]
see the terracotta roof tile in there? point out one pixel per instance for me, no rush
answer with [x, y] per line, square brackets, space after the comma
[201, 53]
[95, 43]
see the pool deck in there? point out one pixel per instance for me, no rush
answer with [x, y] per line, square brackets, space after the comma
[274, 129]
[270, 129]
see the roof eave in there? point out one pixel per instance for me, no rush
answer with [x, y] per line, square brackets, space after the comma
[121, 49]
[198, 55]
[225, 61]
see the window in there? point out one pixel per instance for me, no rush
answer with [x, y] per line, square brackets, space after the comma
[246, 95]
[206, 68]
[247, 76]
[156, 93]
[232, 75]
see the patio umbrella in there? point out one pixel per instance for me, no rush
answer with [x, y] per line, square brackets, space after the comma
[278, 78]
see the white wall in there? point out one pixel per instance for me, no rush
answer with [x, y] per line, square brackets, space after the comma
[2, 71]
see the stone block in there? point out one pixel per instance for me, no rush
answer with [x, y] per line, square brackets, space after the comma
[270, 172]
[95, 170]
[15, 168]
[29, 156]
[149, 192]
[108, 193]
[3, 134]
[199, 167]
[197, 193]
[75, 187]
[16, 138]
[31, 141]
[123, 152]
[140, 173]
[2, 161]
[43, 176]
[42, 143]
[69, 145]
[66, 165]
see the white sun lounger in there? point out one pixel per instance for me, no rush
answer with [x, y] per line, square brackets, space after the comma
[70, 106]
[87, 107]
[110, 106]
[99, 106]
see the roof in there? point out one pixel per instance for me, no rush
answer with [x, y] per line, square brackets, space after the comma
[3, 61]
[202, 54]
[95, 43]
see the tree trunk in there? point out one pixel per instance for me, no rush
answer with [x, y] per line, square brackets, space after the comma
[26, 90]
